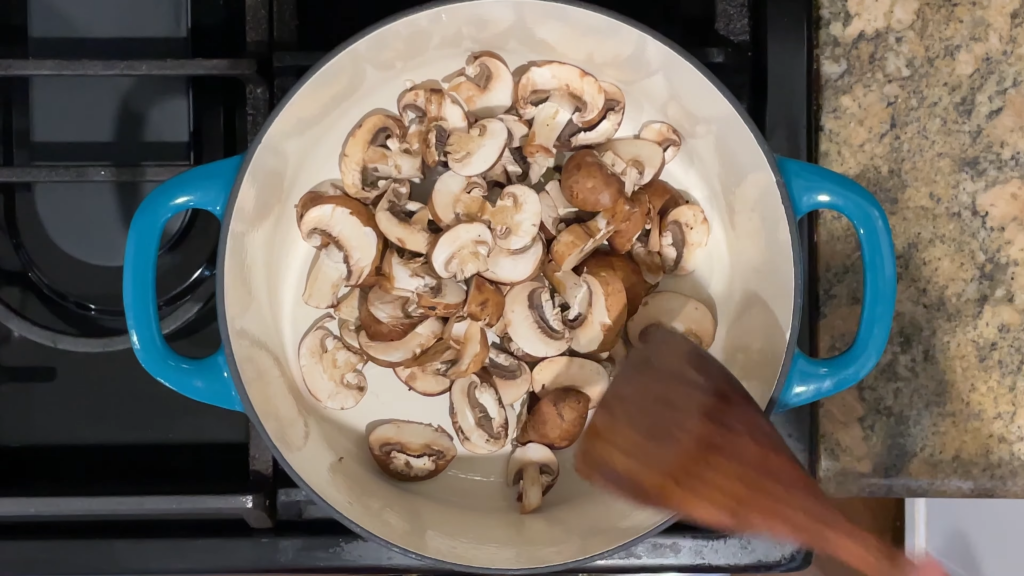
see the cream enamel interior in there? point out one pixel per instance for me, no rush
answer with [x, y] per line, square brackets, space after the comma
[468, 516]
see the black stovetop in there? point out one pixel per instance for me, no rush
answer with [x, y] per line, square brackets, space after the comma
[102, 469]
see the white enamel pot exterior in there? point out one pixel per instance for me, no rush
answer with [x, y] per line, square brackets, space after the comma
[467, 518]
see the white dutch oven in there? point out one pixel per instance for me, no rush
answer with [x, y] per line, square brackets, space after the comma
[467, 517]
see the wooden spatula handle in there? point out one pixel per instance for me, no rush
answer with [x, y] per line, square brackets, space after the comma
[676, 430]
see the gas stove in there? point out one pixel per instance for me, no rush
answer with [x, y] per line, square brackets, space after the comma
[102, 469]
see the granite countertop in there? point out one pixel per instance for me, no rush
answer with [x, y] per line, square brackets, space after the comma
[923, 103]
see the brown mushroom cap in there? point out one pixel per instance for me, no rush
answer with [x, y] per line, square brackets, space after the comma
[588, 184]
[411, 451]
[555, 420]
[485, 302]
[627, 232]
[661, 196]
[383, 316]
[627, 270]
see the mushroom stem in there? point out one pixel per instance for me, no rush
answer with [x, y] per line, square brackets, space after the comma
[531, 489]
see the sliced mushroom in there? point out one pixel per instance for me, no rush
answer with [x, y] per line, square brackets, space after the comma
[407, 276]
[578, 241]
[552, 78]
[348, 331]
[455, 330]
[400, 352]
[394, 218]
[472, 354]
[486, 85]
[428, 374]
[485, 302]
[325, 282]
[462, 250]
[549, 121]
[518, 129]
[627, 271]
[444, 300]
[649, 262]
[664, 135]
[478, 416]
[603, 323]
[431, 115]
[556, 419]
[684, 231]
[332, 373]
[571, 372]
[515, 218]
[614, 110]
[472, 153]
[346, 227]
[677, 312]
[661, 196]
[636, 161]
[573, 290]
[456, 195]
[565, 209]
[514, 266]
[348, 305]
[533, 469]
[533, 322]
[589, 184]
[384, 318]
[375, 153]
[626, 233]
[411, 451]
[514, 349]
[510, 376]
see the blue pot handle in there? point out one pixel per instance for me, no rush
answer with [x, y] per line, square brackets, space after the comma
[812, 187]
[207, 187]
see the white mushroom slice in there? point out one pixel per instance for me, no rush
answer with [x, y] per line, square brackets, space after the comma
[664, 135]
[603, 323]
[472, 354]
[348, 305]
[348, 331]
[614, 110]
[332, 373]
[484, 303]
[486, 87]
[578, 241]
[584, 375]
[512, 267]
[376, 151]
[461, 251]
[557, 77]
[384, 317]
[564, 208]
[432, 114]
[510, 375]
[394, 218]
[394, 354]
[636, 161]
[344, 226]
[575, 292]
[533, 322]
[517, 129]
[550, 119]
[684, 231]
[677, 312]
[446, 299]
[506, 171]
[550, 223]
[472, 153]
[411, 451]
[478, 416]
[649, 262]
[533, 470]
[325, 282]
[428, 375]
[455, 331]
[407, 276]
[515, 218]
[453, 191]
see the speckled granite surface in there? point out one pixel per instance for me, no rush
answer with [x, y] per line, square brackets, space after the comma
[923, 103]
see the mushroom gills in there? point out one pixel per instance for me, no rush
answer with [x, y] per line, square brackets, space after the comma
[533, 469]
[411, 451]
[478, 415]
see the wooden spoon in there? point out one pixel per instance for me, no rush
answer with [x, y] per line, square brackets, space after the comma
[676, 430]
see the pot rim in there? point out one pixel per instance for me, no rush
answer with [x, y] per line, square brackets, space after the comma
[798, 282]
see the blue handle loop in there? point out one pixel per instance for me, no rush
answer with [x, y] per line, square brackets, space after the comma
[207, 379]
[812, 187]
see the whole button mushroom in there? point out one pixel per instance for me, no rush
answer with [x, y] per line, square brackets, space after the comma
[589, 184]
